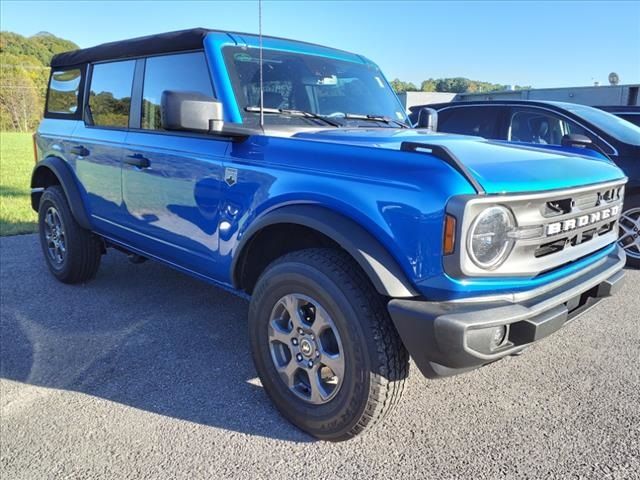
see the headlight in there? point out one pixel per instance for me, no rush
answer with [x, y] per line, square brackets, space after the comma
[489, 243]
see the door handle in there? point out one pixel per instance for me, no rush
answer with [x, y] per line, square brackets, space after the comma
[80, 151]
[137, 160]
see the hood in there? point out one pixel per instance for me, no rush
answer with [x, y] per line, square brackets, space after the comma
[498, 167]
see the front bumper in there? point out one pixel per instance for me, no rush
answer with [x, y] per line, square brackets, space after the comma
[445, 338]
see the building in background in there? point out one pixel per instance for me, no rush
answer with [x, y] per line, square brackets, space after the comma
[409, 99]
[594, 95]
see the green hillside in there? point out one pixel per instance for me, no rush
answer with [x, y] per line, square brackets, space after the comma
[24, 74]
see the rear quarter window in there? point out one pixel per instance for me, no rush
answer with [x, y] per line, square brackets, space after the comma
[64, 90]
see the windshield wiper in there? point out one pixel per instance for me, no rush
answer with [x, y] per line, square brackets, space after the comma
[375, 118]
[293, 113]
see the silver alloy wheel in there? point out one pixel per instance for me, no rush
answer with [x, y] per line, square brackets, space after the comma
[306, 348]
[55, 236]
[630, 232]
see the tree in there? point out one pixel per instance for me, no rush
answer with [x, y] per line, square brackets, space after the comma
[452, 85]
[24, 74]
[19, 102]
[428, 85]
[401, 87]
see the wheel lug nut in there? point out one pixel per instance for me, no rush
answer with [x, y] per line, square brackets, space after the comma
[310, 363]
[317, 353]
[294, 341]
[313, 337]
[299, 357]
[300, 331]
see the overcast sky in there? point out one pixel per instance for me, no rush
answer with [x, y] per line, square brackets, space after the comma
[539, 43]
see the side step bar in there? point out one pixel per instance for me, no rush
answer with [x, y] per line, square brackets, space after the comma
[443, 153]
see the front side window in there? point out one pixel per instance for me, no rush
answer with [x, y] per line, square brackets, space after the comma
[63, 91]
[185, 72]
[110, 94]
[316, 84]
[541, 127]
[478, 121]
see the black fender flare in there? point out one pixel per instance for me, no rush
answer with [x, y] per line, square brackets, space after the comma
[378, 264]
[67, 180]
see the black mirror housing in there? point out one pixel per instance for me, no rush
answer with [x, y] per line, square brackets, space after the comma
[576, 140]
[428, 118]
[189, 111]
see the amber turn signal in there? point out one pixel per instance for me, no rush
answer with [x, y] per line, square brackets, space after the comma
[449, 241]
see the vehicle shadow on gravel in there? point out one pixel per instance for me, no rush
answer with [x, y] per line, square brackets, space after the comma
[144, 336]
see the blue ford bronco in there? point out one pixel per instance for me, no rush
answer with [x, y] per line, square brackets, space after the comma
[287, 172]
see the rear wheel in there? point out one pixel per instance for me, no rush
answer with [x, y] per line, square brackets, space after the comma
[630, 235]
[71, 252]
[323, 344]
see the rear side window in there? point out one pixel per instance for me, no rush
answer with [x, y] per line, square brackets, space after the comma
[63, 91]
[110, 94]
[185, 72]
[479, 121]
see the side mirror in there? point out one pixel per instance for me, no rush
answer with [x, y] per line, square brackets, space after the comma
[189, 111]
[576, 140]
[195, 112]
[428, 118]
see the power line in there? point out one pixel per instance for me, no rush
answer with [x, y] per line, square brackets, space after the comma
[27, 67]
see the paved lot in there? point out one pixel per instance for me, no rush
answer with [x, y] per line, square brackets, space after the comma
[145, 373]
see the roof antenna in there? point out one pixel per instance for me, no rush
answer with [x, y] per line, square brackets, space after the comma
[261, 78]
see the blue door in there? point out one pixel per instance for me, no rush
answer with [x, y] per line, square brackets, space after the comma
[172, 181]
[172, 202]
[98, 140]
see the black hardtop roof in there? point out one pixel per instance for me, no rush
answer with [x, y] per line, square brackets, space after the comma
[135, 47]
[178, 41]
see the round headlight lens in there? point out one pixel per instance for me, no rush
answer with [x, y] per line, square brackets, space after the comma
[489, 241]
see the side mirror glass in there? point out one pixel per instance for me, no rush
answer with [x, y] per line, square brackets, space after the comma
[428, 118]
[189, 111]
[576, 140]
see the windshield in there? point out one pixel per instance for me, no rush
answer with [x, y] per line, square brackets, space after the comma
[323, 86]
[615, 126]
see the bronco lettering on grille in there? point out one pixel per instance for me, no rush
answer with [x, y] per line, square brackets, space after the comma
[582, 221]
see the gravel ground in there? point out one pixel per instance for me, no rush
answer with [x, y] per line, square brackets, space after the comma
[146, 373]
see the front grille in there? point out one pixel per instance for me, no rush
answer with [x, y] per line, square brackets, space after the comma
[571, 225]
[553, 228]
[571, 241]
[582, 201]
[585, 201]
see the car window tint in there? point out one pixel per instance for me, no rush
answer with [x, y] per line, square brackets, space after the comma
[479, 121]
[540, 127]
[186, 72]
[110, 93]
[63, 91]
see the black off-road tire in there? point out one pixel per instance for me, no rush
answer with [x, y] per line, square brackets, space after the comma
[376, 362]
[83, 249]
[631, 213]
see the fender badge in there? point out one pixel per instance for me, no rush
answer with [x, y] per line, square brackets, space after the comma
[230, 176]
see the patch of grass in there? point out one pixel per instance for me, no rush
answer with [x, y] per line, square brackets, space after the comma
[16, 164]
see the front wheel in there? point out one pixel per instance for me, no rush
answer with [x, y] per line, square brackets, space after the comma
[323, 344]
[630, 235]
